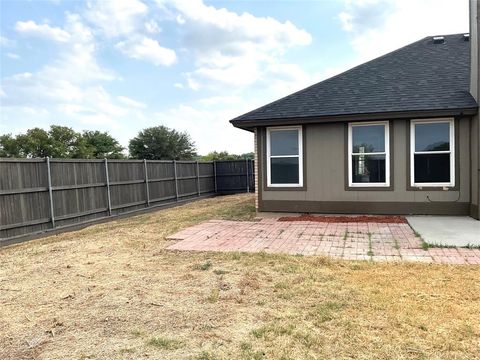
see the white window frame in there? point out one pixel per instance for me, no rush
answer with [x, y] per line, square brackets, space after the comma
[451, 122]
[299, 156]
[386, 153]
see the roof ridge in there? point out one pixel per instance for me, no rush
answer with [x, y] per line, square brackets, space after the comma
[325, 80]
[389, 82]
[337, 75]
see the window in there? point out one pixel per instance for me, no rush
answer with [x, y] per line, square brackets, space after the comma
[284, 157]
[368, 154]
[432, 153]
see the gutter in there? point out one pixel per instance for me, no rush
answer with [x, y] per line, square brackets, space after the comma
[249, 125]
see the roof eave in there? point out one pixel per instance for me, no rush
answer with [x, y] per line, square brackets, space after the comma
[249, 125]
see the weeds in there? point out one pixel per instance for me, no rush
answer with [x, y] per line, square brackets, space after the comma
[396, 245]
[205, 355]
[165, 343]
[325, 311]
[248, 281]
[472, 246]
[204, 266]
[213, 296]
[248, 352]
[260, 332]
[370, 248]
[220, 272]
[138, 333]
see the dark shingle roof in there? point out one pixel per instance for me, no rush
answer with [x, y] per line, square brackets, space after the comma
[420, 76]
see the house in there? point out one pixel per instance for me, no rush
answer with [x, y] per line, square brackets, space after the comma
[396, 135]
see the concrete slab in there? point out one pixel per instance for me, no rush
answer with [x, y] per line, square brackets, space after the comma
[458, 231]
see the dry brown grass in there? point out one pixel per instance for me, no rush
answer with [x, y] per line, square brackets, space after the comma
[112, 291]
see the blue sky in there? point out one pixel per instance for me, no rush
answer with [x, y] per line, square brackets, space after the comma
[121, 66]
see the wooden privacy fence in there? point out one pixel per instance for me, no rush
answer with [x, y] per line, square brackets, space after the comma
[38, 195]
[234, 176]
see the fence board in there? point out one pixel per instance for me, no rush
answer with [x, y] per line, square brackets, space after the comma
[235, 176]
[85, 190]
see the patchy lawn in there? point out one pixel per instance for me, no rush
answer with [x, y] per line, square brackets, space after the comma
[113, 291]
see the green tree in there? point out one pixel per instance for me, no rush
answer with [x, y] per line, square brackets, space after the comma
[102, 145]
[67, 143]
[249, 156]
[219, 155]
[225, 155]
[60, 142]
[8, 146]
[162, 143]
[34, 143]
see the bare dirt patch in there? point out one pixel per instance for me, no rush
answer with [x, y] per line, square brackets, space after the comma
[111, 291]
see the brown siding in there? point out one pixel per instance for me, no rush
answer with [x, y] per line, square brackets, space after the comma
[255, 136]
[326, 175]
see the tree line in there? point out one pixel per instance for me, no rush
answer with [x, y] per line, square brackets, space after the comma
[154, 143]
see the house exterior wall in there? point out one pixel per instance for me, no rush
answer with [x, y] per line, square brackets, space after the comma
[255, 164]
[475, 160]
[325, 177]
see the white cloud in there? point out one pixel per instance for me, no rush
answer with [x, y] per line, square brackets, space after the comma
[68, 86]
[70, 91]
[147, 49]
[5, 41]
[152, 27]
[220, 100]
[180, 19]
[205, 124]
[127, 20]
[13, 56]
[238, 56]
[130, 102]
[115, 18]
[229, 48]
[31, 28]
[379, 26]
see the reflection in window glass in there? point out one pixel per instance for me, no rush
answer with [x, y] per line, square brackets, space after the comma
[368, 139]
[284, 142]
[432, 153]
[284, 158]
[368, 154]
[432, 137]
[432, 168]
[368, 168]
[284, 170]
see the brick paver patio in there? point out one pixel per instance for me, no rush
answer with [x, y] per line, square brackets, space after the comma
[353, 241]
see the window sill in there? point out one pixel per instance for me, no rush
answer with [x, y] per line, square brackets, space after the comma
[432, 187]
[351, 187]
[285, 188]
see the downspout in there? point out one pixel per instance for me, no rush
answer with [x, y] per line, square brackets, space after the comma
[475, 84]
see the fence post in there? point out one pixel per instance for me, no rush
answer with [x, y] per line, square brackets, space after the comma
[176, 180]
[146, 181]
[246, 173]
[198, 179]
[108, 188]
[50, 191]
[215, 174]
